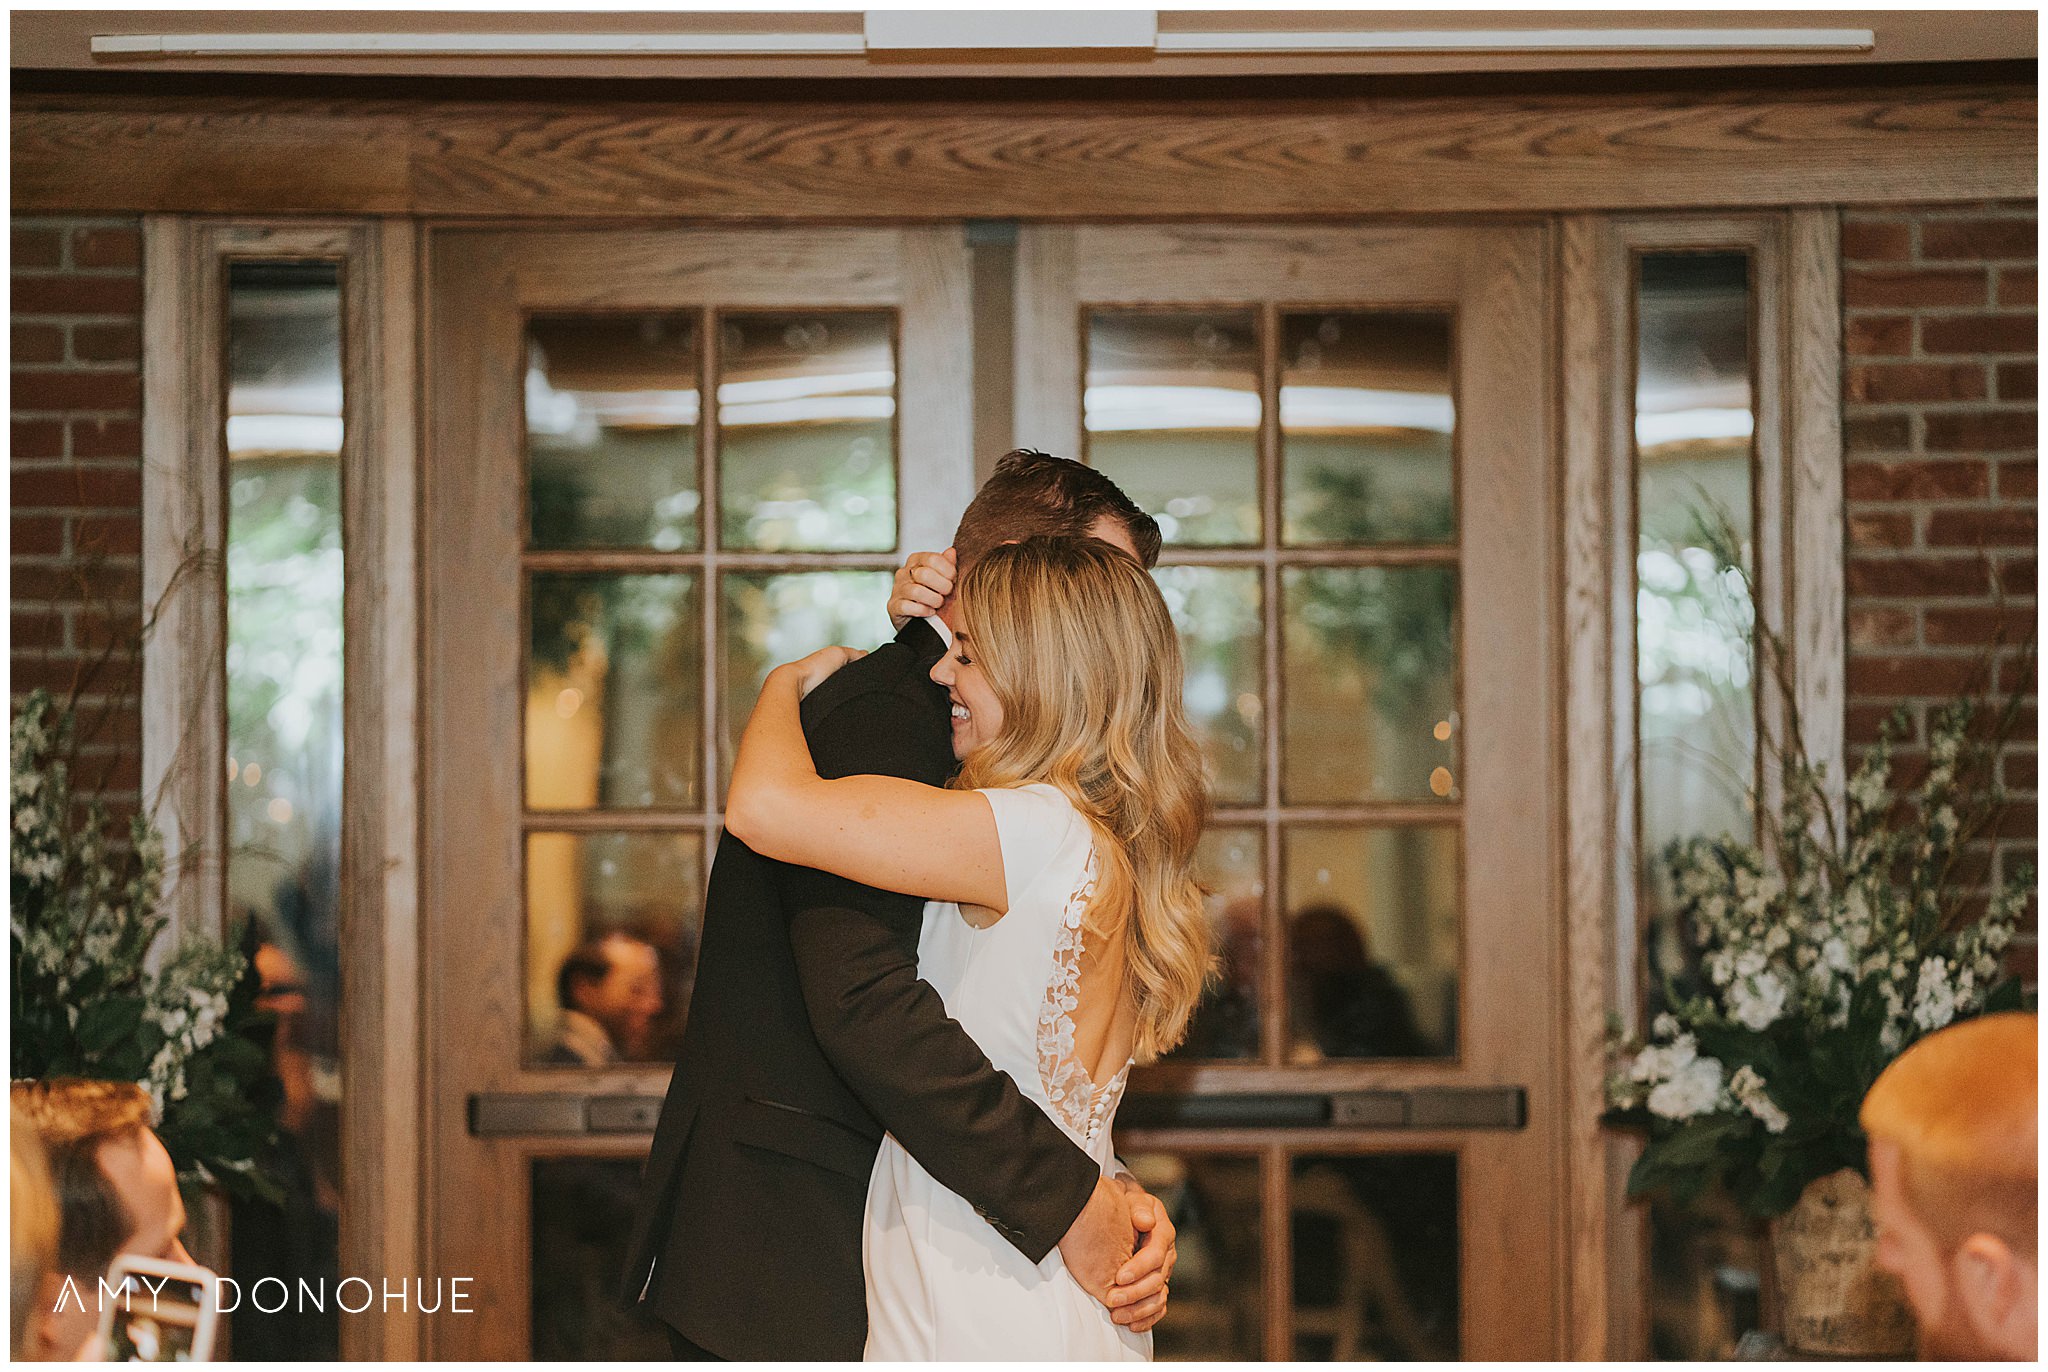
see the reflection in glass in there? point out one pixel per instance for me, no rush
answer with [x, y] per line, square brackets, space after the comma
[1696, 697]
[1366, 419]
[806, 431]
[1371, 668]
[1231, 865]
[1216, 610]
[611, 945]
[613, 691]
[284, 765]
[769, 618]
[1213, 1201]
[611, 431]
[1172, 410]
[1375, 1258]
[1372, 941]
[583, 1212]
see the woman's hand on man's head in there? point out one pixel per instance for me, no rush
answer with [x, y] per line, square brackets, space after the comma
[922, 584]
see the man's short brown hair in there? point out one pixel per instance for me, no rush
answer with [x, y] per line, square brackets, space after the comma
[75, 1117]
[1033, 494]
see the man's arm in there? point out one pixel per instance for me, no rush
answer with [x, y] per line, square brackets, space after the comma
[887, 1032]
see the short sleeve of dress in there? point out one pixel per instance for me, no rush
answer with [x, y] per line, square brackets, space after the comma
[1031, 824]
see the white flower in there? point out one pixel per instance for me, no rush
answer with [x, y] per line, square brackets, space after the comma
[1757, 1001]
[1694, 1090]
[1835, 955]
[1934, 998]
[1748, 1088]
[1665, 1026]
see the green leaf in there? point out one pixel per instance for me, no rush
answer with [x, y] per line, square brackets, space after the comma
[105, 1023]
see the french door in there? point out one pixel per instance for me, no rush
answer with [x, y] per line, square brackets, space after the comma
[660, 460]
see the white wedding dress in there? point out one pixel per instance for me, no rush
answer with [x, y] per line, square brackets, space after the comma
[941, 1283]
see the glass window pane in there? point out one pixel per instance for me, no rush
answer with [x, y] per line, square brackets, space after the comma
[1366, 423]
[1694, 428]
[807, 431]
[769, 618]
[283, 436]
[614, 692]
[1372, 941]
[583, 1212]
[1172, 411]
[1217, 610]
[1231, 863]
[1371, 687]
[1375, 1258]
[1216, 1314]
[611, 945]
[611, 432]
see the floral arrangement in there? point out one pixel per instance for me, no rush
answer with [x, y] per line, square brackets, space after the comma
[1822, 952]
[86, 1002]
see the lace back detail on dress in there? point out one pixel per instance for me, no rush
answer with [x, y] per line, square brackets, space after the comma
[1073, 1094]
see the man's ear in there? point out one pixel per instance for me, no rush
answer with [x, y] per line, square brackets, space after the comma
[1996, 1295]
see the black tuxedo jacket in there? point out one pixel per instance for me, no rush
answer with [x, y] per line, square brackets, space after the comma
[809, 1035]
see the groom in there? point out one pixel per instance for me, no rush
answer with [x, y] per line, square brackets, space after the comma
[810, 1035]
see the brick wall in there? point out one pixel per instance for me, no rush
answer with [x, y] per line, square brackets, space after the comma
[76, 483]
[1939, 426]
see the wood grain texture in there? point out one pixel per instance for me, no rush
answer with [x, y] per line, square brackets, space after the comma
[1134, 158]
[1813, 475]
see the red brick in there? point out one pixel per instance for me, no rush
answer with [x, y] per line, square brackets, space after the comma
[106, 247]
[2019, 769]
[1882, 628]
[104, 581]
[77, 295]
[1991, 431]
[48, 391]
[1951, 480]
[108, 533]
[1876, 240]
[2016, 478]
[106, 438]
[37, 440]
[57, 675]
[2016, 381]
[1898, 382]
[2015, 287]
[1973, 627]
[1918, 576]
[1874, 288]
[1881, 433]
[1980, 333]
[1878, 335]
[37, 249]
[1866, 721]
[33, 343]
[92, 632]
[1978, 240]
[1886, 530]
[2000, 526]
[77, 488]
[106, 342]
[1908, 675]
[2016, 576]
[2020, 820]
[36, 534]
[39, 629]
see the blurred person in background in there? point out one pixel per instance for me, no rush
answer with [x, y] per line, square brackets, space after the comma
[610, 993]
[34, 1213]
[1953, 1129]
[117, 1192]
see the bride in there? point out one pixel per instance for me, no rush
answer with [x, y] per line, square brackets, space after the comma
[1064, 928]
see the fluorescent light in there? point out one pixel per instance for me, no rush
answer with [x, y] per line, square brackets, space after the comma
[969, 32]
[479, 45]
[1524, 40]
[1008, 30]
[249, 434]
[1691, 426]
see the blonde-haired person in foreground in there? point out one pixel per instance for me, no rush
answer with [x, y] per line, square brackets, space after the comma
[1064, 928]
[34, 1226]
[1952, 1128]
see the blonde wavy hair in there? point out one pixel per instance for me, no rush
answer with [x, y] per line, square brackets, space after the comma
[1079, 648]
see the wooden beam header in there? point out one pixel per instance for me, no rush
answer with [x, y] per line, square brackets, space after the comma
[881, 160]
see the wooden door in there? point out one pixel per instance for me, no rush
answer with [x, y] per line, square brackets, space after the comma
[1346, 436]
[658, 461]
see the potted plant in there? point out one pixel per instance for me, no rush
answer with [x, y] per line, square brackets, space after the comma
[91, 999]
[1821, 948]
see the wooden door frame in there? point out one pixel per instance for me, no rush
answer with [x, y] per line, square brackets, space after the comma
[184, 707]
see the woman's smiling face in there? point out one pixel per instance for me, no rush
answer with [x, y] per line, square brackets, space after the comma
[977, 714]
